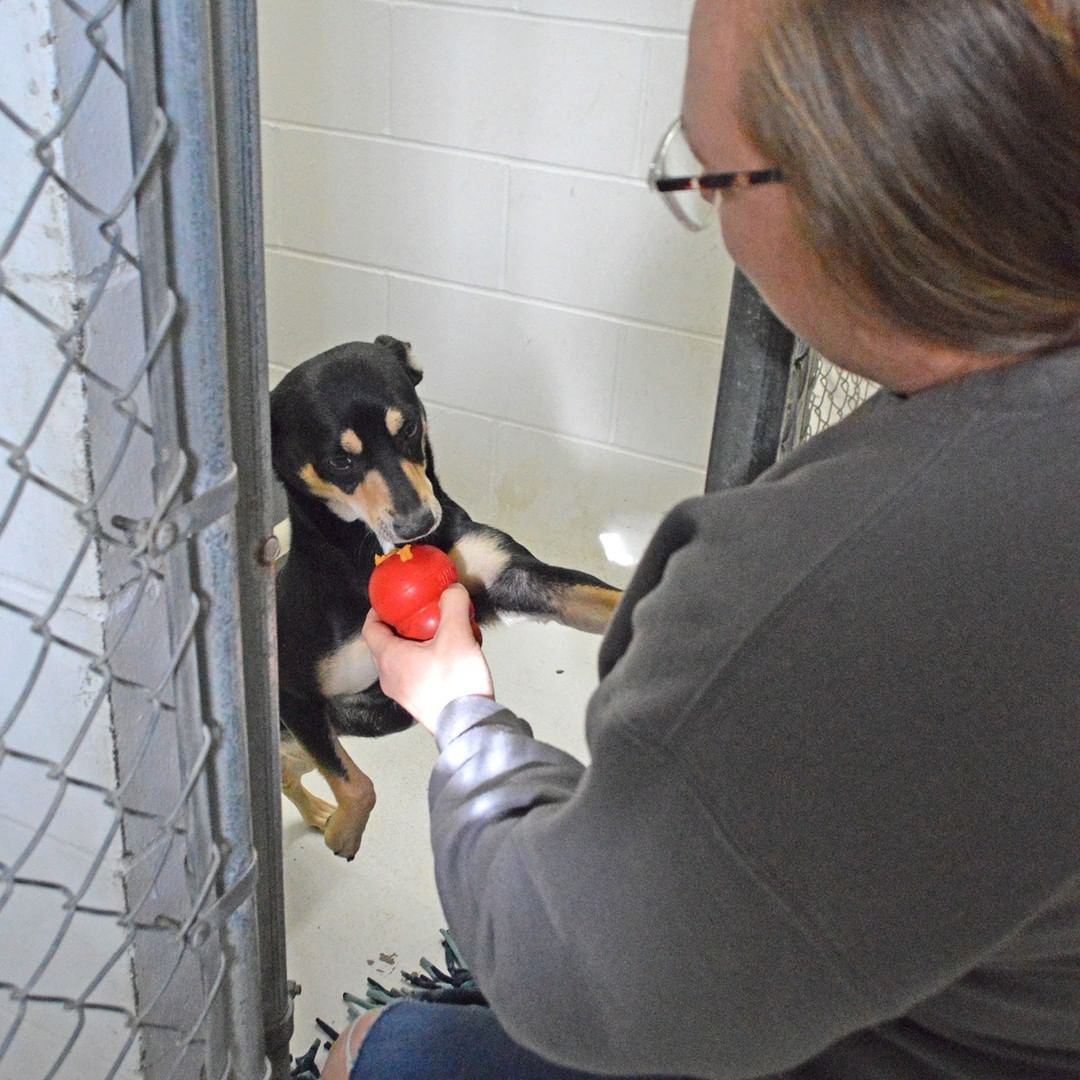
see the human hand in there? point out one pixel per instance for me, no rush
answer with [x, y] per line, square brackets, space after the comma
[425, 676]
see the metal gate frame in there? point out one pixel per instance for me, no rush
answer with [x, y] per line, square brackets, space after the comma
[206, 61]
[751, 401]
[183, 676]
[236, 67]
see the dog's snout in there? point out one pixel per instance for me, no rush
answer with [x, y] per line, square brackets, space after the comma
[414, 526]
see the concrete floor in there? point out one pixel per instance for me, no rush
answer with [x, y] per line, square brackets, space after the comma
[380, 913]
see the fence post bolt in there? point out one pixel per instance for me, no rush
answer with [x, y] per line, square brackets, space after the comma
[270, 551]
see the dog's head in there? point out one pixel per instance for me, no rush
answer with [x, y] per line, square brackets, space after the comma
[348, 429]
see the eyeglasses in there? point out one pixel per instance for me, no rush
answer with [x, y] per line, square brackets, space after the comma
[687, 188]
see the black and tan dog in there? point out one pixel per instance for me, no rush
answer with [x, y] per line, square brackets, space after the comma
[350, 444]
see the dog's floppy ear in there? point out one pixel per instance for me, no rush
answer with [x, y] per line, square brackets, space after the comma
[403, 351]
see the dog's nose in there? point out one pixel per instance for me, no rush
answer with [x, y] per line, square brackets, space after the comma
[414, 526]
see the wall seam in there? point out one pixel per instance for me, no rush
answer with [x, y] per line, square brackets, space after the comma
[392, 274]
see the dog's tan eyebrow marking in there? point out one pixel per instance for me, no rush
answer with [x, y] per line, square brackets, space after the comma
[350, 442]
[394, 419]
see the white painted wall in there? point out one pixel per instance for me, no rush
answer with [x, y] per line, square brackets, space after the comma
[66, 827]
[469, 177]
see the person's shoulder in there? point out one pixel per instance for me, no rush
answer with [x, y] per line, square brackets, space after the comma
[1044, 383]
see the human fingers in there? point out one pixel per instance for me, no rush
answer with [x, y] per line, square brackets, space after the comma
[424, 676]
[455, 610]
[377, 635]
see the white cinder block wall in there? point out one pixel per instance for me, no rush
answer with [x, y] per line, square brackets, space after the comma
[469, 177]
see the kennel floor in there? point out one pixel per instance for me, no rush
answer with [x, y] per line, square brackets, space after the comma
[380, 913]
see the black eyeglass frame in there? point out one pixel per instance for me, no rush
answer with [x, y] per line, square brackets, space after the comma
[724, 181]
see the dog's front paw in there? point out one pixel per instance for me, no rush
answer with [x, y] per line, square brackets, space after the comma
[345, 829]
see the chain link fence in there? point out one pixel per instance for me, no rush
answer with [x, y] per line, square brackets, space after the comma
[128, 932]
[775, 392]
[819, 395]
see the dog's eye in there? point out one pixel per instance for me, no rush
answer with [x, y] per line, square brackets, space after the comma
[340, 463]
[409, 430]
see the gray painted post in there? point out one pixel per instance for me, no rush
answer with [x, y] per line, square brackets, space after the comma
[751, 401]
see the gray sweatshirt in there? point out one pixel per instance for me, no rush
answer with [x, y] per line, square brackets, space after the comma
[831, 824]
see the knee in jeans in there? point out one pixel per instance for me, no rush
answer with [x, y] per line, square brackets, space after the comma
[344, 1051]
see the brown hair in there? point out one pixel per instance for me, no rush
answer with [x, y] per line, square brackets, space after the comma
[934, 149]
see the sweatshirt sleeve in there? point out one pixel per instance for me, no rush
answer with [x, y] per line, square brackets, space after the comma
[611, 924]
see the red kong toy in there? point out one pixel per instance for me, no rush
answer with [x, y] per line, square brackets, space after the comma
[405, 587]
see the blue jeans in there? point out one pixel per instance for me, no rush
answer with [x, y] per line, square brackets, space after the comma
[415, 1040]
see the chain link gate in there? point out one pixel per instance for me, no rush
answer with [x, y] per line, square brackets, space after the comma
[130, 267]
[820, 395]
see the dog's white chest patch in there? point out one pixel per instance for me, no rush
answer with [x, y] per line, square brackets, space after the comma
[349, 670]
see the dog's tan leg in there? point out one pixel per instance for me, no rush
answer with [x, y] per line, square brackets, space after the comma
[587, 607]
[295, 763]
[355, 796]
[483, 558]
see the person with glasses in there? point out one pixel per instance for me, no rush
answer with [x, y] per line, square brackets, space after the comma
[830, 829]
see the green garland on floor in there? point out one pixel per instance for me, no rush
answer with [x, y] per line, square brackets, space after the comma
[453, 986]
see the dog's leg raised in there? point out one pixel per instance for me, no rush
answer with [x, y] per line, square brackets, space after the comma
[503, 575]
[585, 606]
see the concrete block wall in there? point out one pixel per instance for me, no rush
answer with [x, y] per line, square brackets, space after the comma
[470, 177]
